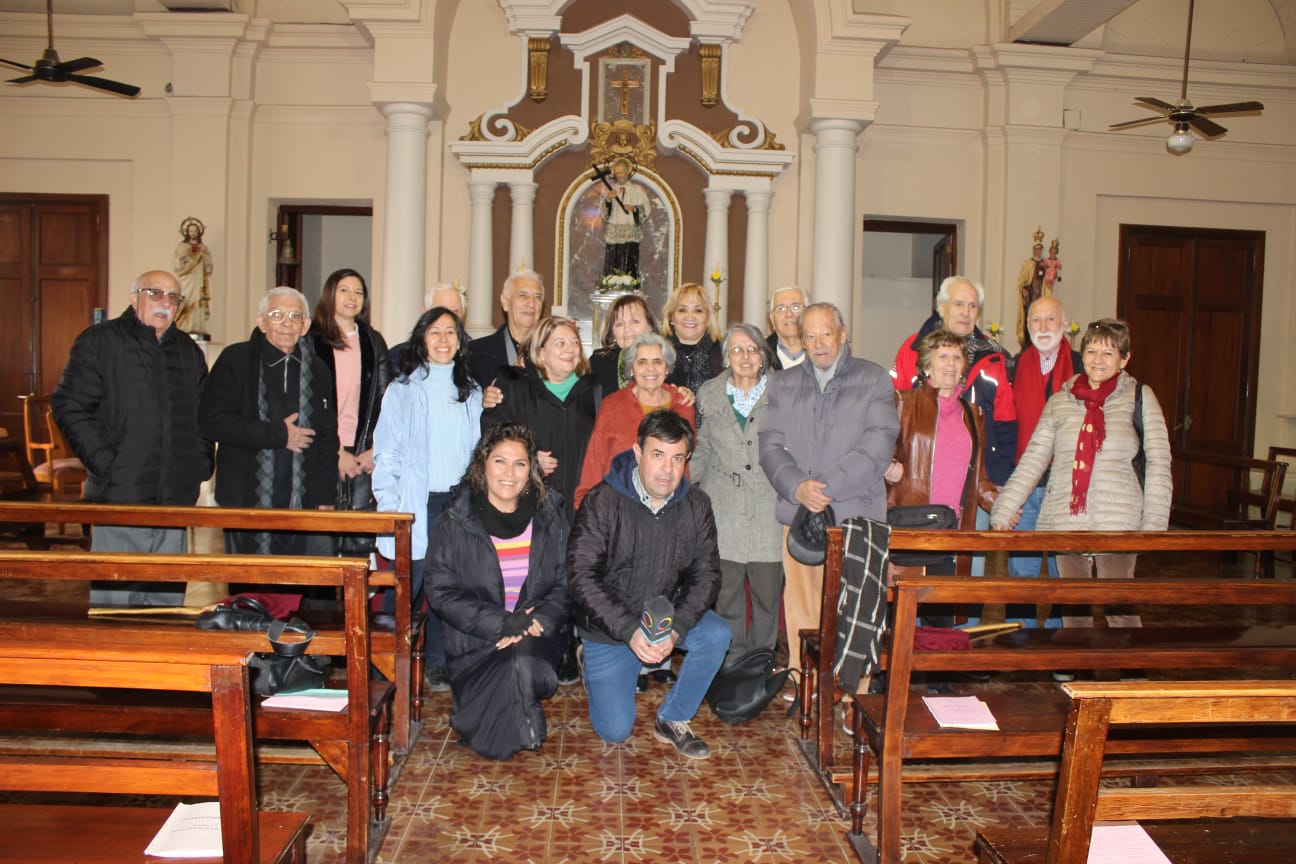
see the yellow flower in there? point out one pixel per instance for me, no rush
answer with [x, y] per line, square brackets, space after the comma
[716, 276]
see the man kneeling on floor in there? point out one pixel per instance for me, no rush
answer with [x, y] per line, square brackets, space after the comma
[641, 535]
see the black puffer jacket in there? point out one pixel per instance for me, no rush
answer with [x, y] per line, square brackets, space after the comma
[621, 555]
[375, 374]
[465, 586]
[562, 428]
[128, 405]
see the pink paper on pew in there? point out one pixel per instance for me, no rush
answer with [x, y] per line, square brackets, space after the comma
[960, 712]
[309, 700]
[1123, 843]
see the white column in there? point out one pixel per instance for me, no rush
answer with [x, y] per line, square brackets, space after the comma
[404, 245]
[521, 234]
[756, 266]
[834, 212]
[481, 302]
[717, 246]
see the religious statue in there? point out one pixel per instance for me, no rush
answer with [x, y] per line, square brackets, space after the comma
[192, 265]
[1052, 269]
[625, 208]
[1030, 283]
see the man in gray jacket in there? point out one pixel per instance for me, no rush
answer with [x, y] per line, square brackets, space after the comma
[826, 440]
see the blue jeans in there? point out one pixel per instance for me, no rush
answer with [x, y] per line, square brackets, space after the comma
[1027, 566]
[611, 670]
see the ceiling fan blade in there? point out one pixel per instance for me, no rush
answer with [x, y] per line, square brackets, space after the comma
[13, 64]
[22, 80]
[1128, 123]
[1209, 128]
[80, 64]
[105, 84]
[1153, 102]
[1231, 108]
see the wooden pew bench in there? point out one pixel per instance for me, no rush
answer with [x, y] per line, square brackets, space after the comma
[396, 651]
[62, 832]
[1097, 711]
[353, 741]
[897, 726]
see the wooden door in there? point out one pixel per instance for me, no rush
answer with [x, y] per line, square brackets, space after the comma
[53, 273]
[1192, 297]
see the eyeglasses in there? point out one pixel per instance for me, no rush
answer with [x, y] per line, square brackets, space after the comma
[784, 308]
[740, 350]
[278, 316]
[158, 294]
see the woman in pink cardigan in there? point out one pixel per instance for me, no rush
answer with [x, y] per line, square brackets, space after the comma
[648, 360]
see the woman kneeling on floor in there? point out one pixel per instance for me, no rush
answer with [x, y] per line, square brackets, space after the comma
[497, 576]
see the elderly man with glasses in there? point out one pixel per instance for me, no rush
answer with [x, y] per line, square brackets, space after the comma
[786, 305]
[268, 403]
[128, 405]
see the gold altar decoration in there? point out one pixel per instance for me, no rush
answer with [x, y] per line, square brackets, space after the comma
[710, 74]
[769, 142]
[634, 141]
[539, 78]
[475, 133]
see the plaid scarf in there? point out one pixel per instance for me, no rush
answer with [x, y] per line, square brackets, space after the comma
[1093, 431]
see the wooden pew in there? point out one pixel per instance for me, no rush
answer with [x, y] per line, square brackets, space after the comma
[1095, 711]
[352, 742]
[898, 726]
[117, 660]
[396, 653]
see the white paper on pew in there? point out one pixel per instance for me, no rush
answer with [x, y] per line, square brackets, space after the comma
[191, 831]
[324, 699]
[960, 712]
[1123, 843]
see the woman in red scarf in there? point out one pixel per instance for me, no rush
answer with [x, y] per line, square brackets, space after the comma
[1089, 426]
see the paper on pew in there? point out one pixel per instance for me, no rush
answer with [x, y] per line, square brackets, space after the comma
[961, 712]
[1123, 843]
[191, 831]
[323, 699]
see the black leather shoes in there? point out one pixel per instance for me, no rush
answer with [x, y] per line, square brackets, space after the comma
[662, 676]
[681, 736]
[641, 685]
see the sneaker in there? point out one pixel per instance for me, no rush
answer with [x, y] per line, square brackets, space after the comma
[1063, 676]
[435, 681]
[678, 733]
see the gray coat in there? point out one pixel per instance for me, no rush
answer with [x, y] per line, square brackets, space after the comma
[726, 465]
[843, 436]
[1114, 502]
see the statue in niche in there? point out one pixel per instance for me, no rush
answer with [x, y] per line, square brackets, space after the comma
[1030, 283]
[1052, 269]
[625, 210]
[192, 265]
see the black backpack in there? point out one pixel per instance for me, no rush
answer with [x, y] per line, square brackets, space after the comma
[743, 688]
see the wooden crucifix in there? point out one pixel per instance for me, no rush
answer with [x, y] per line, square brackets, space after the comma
[625, 85]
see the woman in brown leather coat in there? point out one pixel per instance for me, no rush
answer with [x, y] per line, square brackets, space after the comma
[939, 452]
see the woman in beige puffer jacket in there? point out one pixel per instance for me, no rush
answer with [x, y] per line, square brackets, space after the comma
[1115, 501]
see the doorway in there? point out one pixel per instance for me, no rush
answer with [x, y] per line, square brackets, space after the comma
[904, 263]
[313, 240]
[53, 281]
[1192, 297]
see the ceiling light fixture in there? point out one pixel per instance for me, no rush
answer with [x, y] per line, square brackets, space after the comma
[1181, 141]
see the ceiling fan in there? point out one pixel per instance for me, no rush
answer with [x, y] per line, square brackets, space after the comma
[50, 68]
[1184, 114]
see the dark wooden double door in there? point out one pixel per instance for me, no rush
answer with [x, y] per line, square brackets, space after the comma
[53, 274]
[1192, 297]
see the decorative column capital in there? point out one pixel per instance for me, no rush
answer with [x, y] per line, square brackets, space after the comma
[481, 191]
[758, 201]
[397, 99]
[717, 199]
[835, 129]
[522, 191]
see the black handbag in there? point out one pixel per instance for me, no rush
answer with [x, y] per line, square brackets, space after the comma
[355, 493]
[289, 667]
[741, 690]
[241, 613]
[935, 517]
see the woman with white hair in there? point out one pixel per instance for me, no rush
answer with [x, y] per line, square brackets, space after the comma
[648, 361]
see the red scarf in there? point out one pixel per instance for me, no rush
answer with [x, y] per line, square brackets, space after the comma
[1093, 431]
[1031, 391]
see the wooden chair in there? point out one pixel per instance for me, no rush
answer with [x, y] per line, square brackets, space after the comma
[1095, 709]
[1247, 505]
[57, 467]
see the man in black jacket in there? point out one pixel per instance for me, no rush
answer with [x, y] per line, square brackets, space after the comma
[641, 534]
[523, 299]
[128, 405]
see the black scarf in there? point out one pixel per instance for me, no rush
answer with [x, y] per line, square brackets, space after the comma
[500, 524]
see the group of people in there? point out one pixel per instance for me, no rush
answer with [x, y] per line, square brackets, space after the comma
[561, 501]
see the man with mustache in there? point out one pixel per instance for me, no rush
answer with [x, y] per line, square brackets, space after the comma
[128, 405]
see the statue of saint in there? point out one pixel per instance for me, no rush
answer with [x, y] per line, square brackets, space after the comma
[1052, 269]
[1030, 284]
[625, 207]
[192, 265]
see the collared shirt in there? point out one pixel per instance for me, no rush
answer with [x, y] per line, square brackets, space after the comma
[786, 357]
[1047, 361]
[644, 498]
[823, 376]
